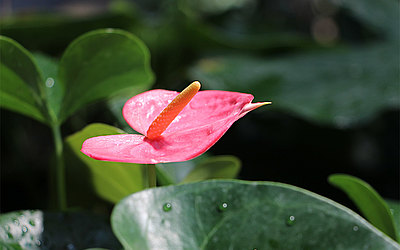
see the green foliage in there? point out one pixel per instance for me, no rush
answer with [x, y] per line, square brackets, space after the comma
[240, 215]
[95, 66]
[394, 207]
[35, 229]
[111, 181]
[199, 169]
[217, 167]
[368, 201]
[21, 87]
[100, 64]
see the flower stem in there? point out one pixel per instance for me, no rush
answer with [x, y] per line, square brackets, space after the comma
[60, 169]
[151, 175]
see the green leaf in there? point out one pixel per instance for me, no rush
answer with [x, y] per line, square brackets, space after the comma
[368, 201]
[53, 89]
[111, 180]
[20, 81]
[382, 16]
[34, 229]
[240, 215]
[394, 207]
[338, 88]
[100, 64]
[217, 167]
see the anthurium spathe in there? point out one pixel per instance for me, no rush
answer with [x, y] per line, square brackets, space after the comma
[175, 126]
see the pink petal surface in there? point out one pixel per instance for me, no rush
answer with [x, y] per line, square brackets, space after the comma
[206, 107]
[179, 146]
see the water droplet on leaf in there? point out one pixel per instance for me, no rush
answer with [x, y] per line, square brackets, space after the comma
[355, 228]
[16, 222]
[167, 207]
[24, 230]
[223, 206]
[70, 246]
[291, 220]
[38, 243]
[49, 82]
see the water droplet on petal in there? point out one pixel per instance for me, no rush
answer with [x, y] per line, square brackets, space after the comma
[355, 228]
[223, 206]
[49, 82]
[16, 222]
[291, 220]
[167, 207]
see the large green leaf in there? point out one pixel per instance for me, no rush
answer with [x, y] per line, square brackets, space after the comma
[35, 229]
[240, 215]
[217, 167]
[340, 87]
[394, 207]
[20, 79]
[370, 203]
[110, 180]
[100, 64]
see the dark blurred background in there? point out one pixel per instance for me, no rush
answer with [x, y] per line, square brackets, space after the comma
[330, 68]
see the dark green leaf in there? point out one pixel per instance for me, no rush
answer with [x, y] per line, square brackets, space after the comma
[394, 207]
[34, 229]
[20, 79]
[53, 88]
[240, 215]
[110, 180]
[217, 167]
[370, 203]
[101, 64]
[382, 16]
[341, 88]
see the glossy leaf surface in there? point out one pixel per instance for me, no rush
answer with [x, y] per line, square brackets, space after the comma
[20, 89]
[370, 203]
[110, 180]
[240, 215]
[100, 64]
[340, 88]
[217, 167]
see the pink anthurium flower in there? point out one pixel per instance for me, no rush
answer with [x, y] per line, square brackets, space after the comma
[175, 127]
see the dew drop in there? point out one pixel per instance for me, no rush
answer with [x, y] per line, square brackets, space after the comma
[38, 243]
[355, 228]
[32, 222]
[167, 207]
[70, 246]
[49, 82]
[24, 230]
[16, 222]
[291, 220]
[223, 206]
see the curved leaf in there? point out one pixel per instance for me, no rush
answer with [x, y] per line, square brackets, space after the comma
[338, 88]
[217, 167]
[367, 200]
[110, 180]
[100, 64]
[20, 81]
[240, 215]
